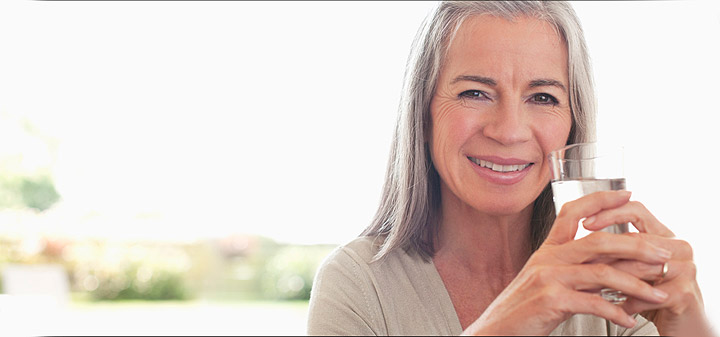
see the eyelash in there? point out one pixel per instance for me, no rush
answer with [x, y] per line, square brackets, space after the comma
[551, 99]
[479, 94]
[474, 94]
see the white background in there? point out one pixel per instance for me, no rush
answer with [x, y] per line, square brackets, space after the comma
[187, 120]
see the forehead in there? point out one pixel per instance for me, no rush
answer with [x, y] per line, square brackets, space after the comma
[495, 46]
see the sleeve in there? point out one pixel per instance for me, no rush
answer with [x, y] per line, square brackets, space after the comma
[343, 300]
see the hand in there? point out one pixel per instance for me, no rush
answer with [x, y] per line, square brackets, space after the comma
[682, 314]
[556, 281]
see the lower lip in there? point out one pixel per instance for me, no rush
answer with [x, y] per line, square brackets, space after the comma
[506, 178]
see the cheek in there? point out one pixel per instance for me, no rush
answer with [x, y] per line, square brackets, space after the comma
[553, 131]
[451, 128]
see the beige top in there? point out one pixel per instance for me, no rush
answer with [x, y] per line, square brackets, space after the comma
[404, 295]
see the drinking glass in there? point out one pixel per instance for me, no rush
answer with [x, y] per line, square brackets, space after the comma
[584, 168]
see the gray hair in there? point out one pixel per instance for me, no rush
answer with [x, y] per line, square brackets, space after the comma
[409, 210]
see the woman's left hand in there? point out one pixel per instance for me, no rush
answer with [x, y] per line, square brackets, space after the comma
[682, 314]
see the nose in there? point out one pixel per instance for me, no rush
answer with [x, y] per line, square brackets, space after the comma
[508, 124]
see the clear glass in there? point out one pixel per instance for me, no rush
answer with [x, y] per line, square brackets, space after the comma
[582, 169]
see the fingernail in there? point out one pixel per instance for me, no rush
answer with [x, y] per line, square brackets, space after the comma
[625, 194]
[589, 221]
[660, 294]
[663, 253]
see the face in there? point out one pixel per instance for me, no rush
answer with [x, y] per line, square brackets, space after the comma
[500, 106]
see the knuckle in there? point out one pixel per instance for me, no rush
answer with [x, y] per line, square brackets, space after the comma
[688, 292]
[545, 275]
[685, 248]
[637, 204]
[601, 271]
[537, 275]
[548, 298]
[644, 269]
[553, 293]
[686, 297]
[566, 209]
[678, 309]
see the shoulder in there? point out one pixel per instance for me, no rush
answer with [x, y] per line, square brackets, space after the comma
[398, 294]
[397, 270]
[362, 249]
[351, 267]
[358, 253]
[344, 299]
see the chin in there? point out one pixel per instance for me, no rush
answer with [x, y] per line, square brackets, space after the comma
[503, 207]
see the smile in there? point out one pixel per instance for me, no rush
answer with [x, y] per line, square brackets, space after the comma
[498, 167]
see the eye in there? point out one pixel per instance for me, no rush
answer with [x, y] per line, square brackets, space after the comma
[474, 94]
[543, 98]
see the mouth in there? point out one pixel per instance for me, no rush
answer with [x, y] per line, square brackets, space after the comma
[499, 167]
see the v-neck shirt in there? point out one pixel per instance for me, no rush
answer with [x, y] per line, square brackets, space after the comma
[401, 294]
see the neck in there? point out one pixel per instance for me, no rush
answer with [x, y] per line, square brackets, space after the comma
[483, 243]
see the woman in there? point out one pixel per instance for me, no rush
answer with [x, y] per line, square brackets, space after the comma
[466, 239]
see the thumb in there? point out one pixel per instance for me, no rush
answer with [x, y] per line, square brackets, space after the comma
[566, 223]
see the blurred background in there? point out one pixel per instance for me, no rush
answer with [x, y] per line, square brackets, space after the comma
[184, 167]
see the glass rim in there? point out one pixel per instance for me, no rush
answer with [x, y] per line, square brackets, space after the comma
[554, 153]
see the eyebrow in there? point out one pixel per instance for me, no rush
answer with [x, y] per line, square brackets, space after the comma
[480, 79]
[491, 82]
[547, 82]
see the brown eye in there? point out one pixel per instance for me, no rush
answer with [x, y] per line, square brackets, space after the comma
[474, 94]
[543, 98]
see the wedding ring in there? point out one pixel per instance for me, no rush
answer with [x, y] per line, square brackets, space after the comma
[665, 268]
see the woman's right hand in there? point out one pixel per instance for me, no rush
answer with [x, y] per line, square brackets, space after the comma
[560, 277]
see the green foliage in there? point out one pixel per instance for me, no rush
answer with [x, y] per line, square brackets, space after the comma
[26, 165]
[260, 269]
[122, 271]
[137, 282]
[36, 192]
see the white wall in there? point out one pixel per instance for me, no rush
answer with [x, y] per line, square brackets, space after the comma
[656, 68]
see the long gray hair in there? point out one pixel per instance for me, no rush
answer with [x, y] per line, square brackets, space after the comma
[409, 211]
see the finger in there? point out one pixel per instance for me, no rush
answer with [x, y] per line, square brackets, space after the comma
[677, 269]
[679, 283]
[681, 250]
[638, 269]
[608, 246]
[633, 212]
[565, 226]
[598, 276]
[585, 303]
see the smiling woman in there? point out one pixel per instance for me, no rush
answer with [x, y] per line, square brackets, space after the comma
[203, 119]
[466, 239]
[501, 114]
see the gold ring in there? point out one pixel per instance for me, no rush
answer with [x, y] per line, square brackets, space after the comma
[665, 268]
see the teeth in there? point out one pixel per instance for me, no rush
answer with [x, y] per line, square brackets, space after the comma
[497, 167]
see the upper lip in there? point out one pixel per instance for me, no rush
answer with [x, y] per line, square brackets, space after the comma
[503, 161]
